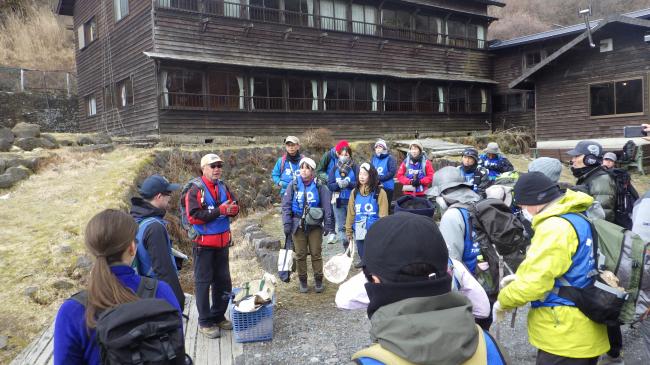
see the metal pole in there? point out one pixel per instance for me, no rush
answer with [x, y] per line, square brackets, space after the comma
[22, 80]
[67, 83]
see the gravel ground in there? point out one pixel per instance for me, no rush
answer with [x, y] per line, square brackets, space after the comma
[309, 329]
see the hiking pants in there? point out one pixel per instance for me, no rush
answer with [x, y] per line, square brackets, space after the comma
[615, 341]
[544, 358]
[211, 272]
[360, 244]
[312, 241]
[339, 218]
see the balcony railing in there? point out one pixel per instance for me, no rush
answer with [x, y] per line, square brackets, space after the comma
[210, 102]
[325, 23]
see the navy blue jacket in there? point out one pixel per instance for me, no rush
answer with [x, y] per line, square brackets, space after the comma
[72, 343]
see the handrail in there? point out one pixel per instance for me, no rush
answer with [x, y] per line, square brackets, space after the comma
[213, 102]
[325, 23]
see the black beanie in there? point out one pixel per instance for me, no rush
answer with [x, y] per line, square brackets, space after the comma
[415, 205]
[535, 188]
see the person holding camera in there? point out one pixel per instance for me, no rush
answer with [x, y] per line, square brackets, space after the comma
[306, 214]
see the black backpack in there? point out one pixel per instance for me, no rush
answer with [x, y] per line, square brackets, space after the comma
[626, 195]
[148, 331]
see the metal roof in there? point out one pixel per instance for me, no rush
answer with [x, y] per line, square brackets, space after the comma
[560, 32]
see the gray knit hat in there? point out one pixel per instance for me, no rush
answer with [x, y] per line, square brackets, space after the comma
[551, 167]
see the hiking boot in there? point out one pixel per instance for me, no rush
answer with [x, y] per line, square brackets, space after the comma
[358, 264]
[210, 332]
[318, 287]
[225, 325]
[303, 284]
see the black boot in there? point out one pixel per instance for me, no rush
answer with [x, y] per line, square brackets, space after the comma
[318, 281]
[303, 284]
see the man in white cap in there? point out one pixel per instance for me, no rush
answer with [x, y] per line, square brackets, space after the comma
[286, 167]
[493, 160]
[609, 160]
[209, 205]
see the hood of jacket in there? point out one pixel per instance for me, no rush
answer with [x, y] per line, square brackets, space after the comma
[427, 330]
[141, 209]
[461, 194]
[570, 202]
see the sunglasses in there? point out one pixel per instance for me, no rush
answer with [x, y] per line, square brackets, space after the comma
[216, 164]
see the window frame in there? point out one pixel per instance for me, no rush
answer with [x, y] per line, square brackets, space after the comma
[117, 5]
[91, 105]
[614, 82]
[118, 86]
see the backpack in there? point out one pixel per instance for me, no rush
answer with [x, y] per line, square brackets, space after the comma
[626, 195]
[147, 331]
[627, 255]
[501, 238]
[185, 223]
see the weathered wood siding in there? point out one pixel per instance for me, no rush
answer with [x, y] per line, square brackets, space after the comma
[114, 56]
[343, 125]
[177, 32]
[563, 87]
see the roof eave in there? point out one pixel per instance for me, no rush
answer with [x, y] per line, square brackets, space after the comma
[65, 7]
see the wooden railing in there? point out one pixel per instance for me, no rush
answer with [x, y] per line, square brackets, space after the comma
[325, 23]
[210, 102]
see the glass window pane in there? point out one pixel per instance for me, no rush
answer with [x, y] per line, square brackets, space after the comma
[514, 103]
[193, 82]
[602, 99]
[629, 97]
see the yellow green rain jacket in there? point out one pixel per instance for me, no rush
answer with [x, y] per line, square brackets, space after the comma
[561, 330]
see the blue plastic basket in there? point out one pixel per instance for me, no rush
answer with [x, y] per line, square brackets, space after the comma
[253, 326]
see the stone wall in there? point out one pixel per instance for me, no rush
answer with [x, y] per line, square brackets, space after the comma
[52, 112]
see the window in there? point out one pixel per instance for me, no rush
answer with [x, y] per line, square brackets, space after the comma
[109, 95]
[91, 105]
[398, 96]
[530, 100]
[476, 35]
[457, 33]
[428, 29]
[396, 23]
[299, 12]
[620, 97]
[478, 100]
[87, 33]
[303, 94]
[125, 93]
[121, 8]
[457, 99]
[499, 103]
[514, 103]
[226, 91]
[532, 58]
[268, 10]
[365, 95]
[337, 95]
[334, 15]
[364, 19]
[182, 89]
[267, 93]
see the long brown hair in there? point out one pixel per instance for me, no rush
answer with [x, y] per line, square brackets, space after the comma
[108, 235]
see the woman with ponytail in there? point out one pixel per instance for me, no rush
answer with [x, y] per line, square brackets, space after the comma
[110, 238]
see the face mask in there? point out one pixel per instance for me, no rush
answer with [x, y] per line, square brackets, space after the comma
[344, 159]
[526, 214]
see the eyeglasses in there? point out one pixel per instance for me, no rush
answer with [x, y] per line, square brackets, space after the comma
[166, 194]
[216, 165]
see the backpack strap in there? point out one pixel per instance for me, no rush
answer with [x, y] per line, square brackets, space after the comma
[147, 288]
[80, 297]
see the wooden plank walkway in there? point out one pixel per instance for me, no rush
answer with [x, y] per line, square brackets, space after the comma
[204, 351]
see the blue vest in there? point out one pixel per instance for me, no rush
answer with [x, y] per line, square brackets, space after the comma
[415, 169]
[381, 164]
[469, 177]
[582, 266]
[333, 159]
[366, 209]
[471, 248]
[219, 225]
[345, 193]
[142, 262]
[289, 171]
[490, 164]
[299, 197]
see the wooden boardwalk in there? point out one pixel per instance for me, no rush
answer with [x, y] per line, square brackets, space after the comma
[204, 351]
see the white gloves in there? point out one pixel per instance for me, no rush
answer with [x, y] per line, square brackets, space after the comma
[507, 280]
[498, 313]
[343, 183]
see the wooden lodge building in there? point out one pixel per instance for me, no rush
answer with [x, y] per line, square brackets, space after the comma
[359, 67]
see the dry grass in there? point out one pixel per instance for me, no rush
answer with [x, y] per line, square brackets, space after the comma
[515, 141]
[320, 139]
[47, 210]
[36, 39]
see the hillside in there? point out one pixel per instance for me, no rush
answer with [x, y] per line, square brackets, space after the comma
[521, 17]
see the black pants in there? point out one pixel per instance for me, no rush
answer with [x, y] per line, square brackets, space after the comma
[389, 197]
[544, 358]
[615, 341]
[211, 271]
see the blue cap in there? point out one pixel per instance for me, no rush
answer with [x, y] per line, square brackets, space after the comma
[156, 184]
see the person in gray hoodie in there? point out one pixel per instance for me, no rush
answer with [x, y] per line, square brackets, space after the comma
[415, 318]
[641, 226]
